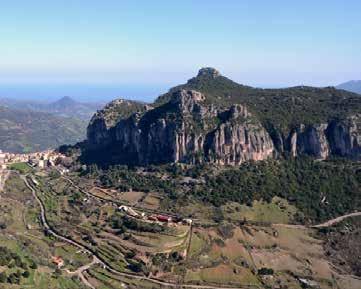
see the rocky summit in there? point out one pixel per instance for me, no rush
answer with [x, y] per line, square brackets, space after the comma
[208, 72]
[213, 119]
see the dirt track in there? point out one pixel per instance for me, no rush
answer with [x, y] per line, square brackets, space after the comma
[4, 174]
[334, 221]
[104, 264]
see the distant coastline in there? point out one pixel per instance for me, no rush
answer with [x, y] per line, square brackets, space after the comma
[81, 92]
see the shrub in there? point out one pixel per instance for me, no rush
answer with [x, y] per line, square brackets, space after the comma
[265, 271]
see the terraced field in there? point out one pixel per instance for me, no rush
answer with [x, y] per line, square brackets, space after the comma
[251, 247]
[23, 235]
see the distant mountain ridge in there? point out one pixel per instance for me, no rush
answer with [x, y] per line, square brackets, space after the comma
[352, 85]
[28, 131]
[64, 107]
[65, 102]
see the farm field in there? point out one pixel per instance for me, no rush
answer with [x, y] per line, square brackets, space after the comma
[250, 246]
[24, 237]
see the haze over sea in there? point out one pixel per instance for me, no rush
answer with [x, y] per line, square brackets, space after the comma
[81, 92]
[138, 49]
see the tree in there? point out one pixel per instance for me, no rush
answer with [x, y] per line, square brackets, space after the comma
[265, 271]
[57, 273]
[33, 265]
[24, 266]
[13, 279]
[3, 277]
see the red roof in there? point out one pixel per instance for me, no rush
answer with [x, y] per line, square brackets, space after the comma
[163, 218]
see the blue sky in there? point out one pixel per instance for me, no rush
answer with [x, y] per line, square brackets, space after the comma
[161, 43]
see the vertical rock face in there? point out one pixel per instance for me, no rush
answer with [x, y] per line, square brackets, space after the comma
[339, 138]
[238, 139]
[187, 129]
[185, 125]
[345, 137]
[309, 140]
[100, 132]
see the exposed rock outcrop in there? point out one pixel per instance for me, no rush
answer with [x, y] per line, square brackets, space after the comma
[208, 72]
[344, 137]
[100, 131]
[338, 137]
[309, 140]
[186, 129]
[186, 125]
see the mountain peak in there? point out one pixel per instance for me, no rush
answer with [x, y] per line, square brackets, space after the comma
[208, 72]
[66, 99]
[352, 85]
[65, 102]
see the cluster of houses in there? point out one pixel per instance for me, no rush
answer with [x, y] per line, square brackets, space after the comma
[38, 159]
[154, 217]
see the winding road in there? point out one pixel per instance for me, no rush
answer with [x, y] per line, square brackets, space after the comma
[117, 202]
[328, 223]
[98, 260]
[79, 272]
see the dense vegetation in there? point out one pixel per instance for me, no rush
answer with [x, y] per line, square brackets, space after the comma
[27, 131]
[320, 190]
[13, 261]
[278, 108]
[118, 109]
[123, 223]
[125, 179]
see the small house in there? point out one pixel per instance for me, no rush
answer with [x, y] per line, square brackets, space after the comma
[58, 261]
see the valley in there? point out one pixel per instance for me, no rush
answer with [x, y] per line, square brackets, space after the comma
[103, 245]
[217, 188]
[180, 144]
[32, 126]
[24, 131]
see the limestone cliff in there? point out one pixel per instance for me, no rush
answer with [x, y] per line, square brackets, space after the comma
[213, 119]
[186, 129]
[344, 137]
[338, 137]
[310, 140]
[99, 132]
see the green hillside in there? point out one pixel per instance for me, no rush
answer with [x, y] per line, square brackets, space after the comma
[28, 131]
[281, 108]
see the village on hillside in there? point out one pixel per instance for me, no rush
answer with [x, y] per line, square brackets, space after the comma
[42, 159]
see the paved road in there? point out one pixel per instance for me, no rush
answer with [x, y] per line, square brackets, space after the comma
[104, 264]
[46, 224]
[108, 267]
